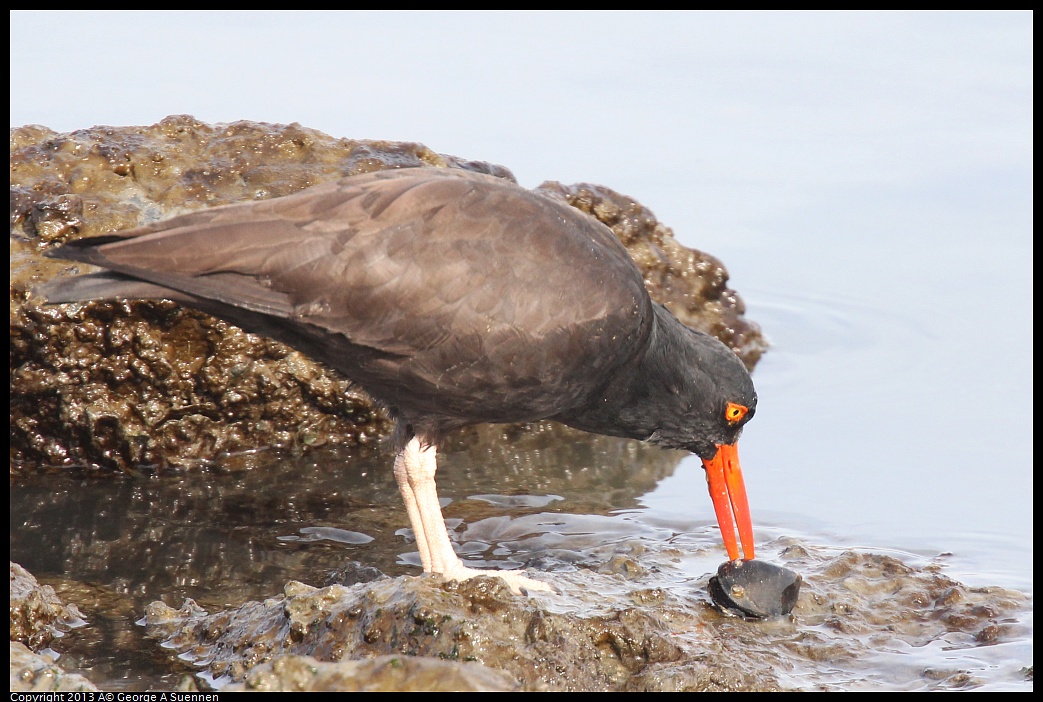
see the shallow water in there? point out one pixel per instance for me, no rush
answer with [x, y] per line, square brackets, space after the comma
[549, 500]
[885, 433]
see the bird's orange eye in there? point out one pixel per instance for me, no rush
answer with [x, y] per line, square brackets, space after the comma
[734, 412]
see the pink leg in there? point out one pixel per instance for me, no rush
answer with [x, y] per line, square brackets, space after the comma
[415, 468]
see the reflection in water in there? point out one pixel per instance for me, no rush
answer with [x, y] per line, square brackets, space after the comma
[226, 536]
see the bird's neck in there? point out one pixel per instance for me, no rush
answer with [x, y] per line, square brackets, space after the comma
[636, 402]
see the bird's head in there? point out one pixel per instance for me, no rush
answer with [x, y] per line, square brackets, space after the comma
[713, 401]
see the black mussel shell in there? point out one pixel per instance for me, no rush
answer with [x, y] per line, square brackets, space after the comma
[755, 589]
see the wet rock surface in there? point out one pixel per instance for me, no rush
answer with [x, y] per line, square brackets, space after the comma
[38, 618]
[640, 638]
[38, 615]
[381, 674]
[31, 672]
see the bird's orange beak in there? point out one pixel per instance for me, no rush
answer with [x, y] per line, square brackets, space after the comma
[728, 492]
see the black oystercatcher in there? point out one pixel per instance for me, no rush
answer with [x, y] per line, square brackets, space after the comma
[453, 298]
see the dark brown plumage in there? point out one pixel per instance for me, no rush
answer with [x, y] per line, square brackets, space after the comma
[453, 298]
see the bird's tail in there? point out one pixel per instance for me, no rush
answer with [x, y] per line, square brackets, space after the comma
[103, 286]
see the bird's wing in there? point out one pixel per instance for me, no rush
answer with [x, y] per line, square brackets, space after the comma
[445, 267]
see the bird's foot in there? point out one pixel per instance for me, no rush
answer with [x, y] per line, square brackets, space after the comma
[518, 583]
